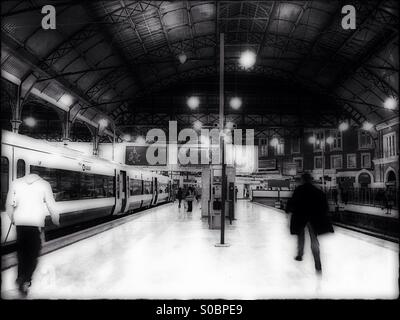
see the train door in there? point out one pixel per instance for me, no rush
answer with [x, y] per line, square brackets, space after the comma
[118, 202]
[155, 191]
[170, 193]
[124, 194]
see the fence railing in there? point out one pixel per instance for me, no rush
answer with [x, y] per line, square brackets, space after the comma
[377, 197]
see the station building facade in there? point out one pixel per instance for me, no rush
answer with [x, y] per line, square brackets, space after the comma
[352, 158]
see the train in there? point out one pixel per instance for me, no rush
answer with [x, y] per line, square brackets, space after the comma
[84, 187]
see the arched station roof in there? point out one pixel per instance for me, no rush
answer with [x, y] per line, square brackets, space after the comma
[112, 57]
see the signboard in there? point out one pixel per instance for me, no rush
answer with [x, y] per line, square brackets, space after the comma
[137, 156]
[290, 168]
[278, 183]
[266, 164]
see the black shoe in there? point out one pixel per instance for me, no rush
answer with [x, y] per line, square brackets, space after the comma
[23, 288]
[298, 258]
[318, 269]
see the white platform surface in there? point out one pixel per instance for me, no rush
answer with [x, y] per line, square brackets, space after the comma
[170, 254]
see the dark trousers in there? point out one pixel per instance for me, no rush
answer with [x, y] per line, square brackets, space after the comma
[190, 206]
[314, 245]
[28, 249]
[180, 200]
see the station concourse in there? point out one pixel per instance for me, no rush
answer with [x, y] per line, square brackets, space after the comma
[180, 150]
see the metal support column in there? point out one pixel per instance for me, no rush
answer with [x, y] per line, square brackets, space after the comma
[222, 140]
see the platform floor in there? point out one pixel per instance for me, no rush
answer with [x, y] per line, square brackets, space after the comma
[170, 254]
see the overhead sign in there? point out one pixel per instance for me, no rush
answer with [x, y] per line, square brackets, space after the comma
[137, 156]
[266, 164]
[289, 168]
[278, 183]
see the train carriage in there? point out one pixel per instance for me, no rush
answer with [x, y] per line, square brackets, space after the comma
[85, 187]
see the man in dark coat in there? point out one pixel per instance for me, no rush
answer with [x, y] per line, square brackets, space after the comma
[179, 196]
[309, 207]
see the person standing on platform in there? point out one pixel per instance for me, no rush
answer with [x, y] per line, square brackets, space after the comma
[189, 199]
[26, 205]
[309, 208]
[335, 196]
[179, 196]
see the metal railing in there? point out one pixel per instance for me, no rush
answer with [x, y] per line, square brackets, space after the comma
[376, 197]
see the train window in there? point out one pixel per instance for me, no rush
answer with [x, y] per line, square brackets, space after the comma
[71, 185]
[87, 186]
[147, 185]
[101, 186]
[20, 168]
[4, 181]
[50, 176]
[104, 186]
[135, 187]
[68, 185]
[110, 186]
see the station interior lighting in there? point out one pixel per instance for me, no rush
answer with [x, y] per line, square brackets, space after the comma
[66, 100]
[103, 123]
[235, 103]
[182, 58]
[247, 59]
[230, 125]
[343, 126]
[227, 136]
[329, 140]
[193, 102]
[367, 126]
[205, 141]
[312, 139]
[126, 137]
[140, 140]
[274, 142]
[30, 121]
[390, 103]
[197, 125]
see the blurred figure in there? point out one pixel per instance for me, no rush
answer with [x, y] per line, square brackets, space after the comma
[388, 201]
[345, 196]
[179, 196]
[309, 207]
[335, 196]
[236, 193]
[26, 205]
[189, 199]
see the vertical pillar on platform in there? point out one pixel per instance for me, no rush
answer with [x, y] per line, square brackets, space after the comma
[96, 140]
[67, 124]
[222, 140]
[16, 112]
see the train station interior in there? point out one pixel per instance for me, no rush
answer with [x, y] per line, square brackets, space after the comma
[174, 134]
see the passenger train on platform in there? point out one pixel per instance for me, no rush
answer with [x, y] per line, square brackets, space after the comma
[85, 187]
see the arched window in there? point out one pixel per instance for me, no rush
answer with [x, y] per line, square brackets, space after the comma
[391, 179]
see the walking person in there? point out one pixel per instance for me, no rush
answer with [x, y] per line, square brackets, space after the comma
[26, 205]
[309, 208]
[179, 196]
[189, 199]
[335, 196]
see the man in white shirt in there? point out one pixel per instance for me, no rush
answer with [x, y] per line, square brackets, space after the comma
[26, 204]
